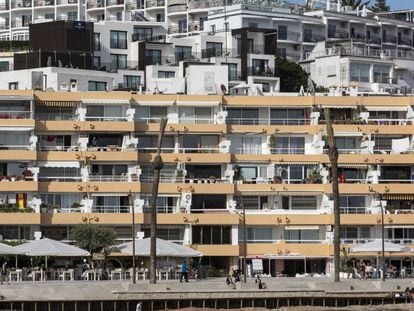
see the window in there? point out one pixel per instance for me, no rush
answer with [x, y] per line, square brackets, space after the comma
[257, 235]
[252, 202]
[153, 57]
[142, 33]
[232, 71]
[118, 61]
[287, 116]
[354, 234]
[211, 234]
[96, 41]
[242, 116]
[382, 74]
[302, 235]
[346, 143]
[281, 52]
[13, 85]
[160, 17]
[195, 115]
[182, 25]
[299, 203]
[4, 66]
[182, 53]
[132, 82]
[118, 39]
[359, 72]
[282, 32]
[173, 233]
[307, 35]
[352, 204]
[166, 74]
[331, 30]
[259, 67]
[201, 21]
[96, 86]
[213, 49]
[72, 16]
[289, 145]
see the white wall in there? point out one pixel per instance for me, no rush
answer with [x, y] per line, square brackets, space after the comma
[205, 79]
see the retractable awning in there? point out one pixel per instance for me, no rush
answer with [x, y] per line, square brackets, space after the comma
[59, 164]
[56, 103]
[16, 128]
[398, 196]
[387, 108]
[301, 227]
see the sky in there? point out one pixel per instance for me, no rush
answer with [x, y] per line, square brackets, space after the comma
[395, 4]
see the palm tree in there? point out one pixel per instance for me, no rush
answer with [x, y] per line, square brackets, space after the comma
[355, 3]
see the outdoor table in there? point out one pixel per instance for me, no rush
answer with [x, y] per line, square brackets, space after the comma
[116, 274]
[38, 275]
[15, 275]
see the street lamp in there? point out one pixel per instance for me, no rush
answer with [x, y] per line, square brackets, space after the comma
[378, 197]
[133, 237]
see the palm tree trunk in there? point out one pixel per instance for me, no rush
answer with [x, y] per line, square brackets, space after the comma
[157, 166]
[333, 158]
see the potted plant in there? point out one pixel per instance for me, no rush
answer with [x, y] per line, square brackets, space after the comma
[212, 179]
[272, 142]
[76, 205]
[314, 177]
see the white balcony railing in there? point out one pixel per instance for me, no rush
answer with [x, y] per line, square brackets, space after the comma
[57, 148]
[14, 147]
[110, 178]
[110, 209]
[388, 121]
[267, 121]
[298, 150]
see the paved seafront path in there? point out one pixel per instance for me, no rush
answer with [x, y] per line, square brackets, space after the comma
[212, 287]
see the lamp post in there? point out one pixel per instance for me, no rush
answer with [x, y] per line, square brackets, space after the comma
[244, 239]
[134, 280]
[378, 197]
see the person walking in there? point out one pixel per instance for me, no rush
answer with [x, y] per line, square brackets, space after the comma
[184, 273]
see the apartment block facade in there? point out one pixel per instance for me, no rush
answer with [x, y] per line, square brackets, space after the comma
[242, 176]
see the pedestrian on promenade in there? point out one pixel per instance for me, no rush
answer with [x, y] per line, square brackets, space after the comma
[3, 272]
[229, 282]
[184, 273]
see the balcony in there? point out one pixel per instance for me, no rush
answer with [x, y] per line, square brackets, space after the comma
[289, 36]
[21, 4]
[358, 37]
[405, 41]
[19, 23]
[153, 38]
[178, 8]
[116, 209]
[95, 4]
[388, 121]
[114, 2]
[65, 2]
[43, 3]
[313, 38]
[267, 121]
[112, 178]
[298, 150]
[374, 40]
[389, 39]
[154, 3]
[261, 72]
[338, 34]
[106, 119]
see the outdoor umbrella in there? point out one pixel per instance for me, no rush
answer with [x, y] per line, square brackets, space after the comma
[8, 250]
[376, 246]
[52, 248]
[164, 249]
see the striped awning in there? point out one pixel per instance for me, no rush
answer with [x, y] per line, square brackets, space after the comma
[397, 196]
[56, 103]
[297, 163]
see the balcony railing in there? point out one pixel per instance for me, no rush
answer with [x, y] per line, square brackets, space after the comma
[289, 35]
[261, 72]
[17, 23]
[388, 121]
[58, 148]
[54, 117]
[405, 41]
[154, 3]
[267, 121]
[355, 241]
[60, 178]
[374, 40]
[177, 8]
[107, 119]
[96, 4]
[358, 37]
[161, 209]
[305, 241]
[389, 39]
[21, 4]
[298, 150]
[338, 34]
[313, 38]
[109, 178]
[353, 210]
[348, 151]
[154, 149]
[14, 147]
[15, 115]
[396, 181]
[167, 179]
[62, 2]
[249, 150]
[110, 209]
[152, 38]
[40, 3]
